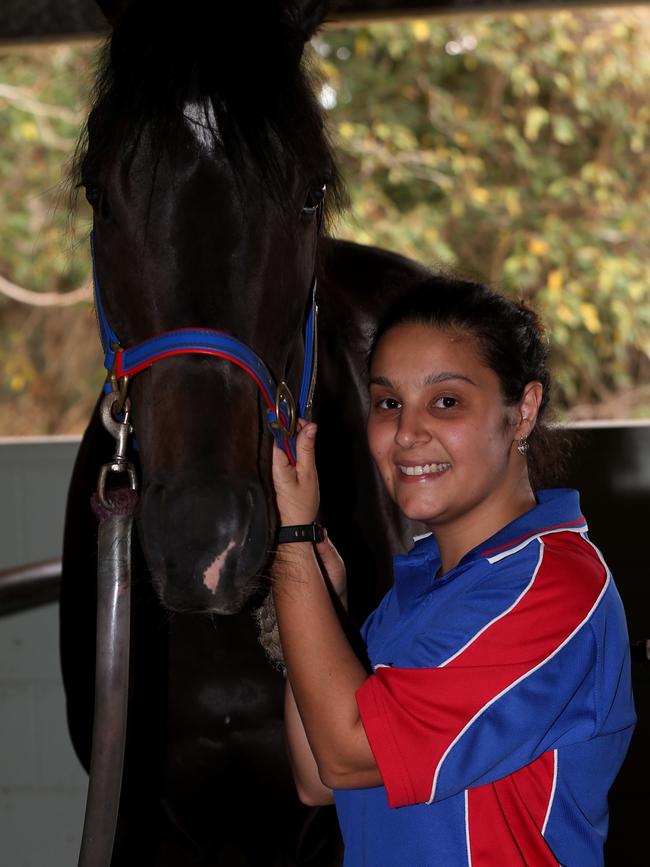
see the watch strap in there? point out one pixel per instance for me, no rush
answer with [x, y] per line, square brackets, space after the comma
[299, 533]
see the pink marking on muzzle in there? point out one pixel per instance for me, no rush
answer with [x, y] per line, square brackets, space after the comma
[212, 573]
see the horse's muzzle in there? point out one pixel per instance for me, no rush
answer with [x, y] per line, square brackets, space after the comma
[205, 545]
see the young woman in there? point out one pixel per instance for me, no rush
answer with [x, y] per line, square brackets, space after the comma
[499, 708]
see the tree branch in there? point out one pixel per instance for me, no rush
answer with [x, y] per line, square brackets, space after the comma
[44, 299]
[19, 97]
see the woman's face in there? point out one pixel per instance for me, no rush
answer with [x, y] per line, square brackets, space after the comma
[438, 429]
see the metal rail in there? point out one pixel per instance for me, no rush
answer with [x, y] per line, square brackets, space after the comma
[28, 586]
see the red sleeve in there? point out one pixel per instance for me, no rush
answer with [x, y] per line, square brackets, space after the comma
[414, 717]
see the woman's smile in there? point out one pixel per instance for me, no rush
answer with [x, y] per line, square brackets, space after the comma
[422, 472]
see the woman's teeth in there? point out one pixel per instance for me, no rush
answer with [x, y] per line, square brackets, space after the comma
[424, 469]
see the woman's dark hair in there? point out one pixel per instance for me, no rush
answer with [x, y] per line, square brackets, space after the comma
[511, 341]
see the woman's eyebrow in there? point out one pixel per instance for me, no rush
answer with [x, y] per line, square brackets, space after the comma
[380, 380]
[444, 376]
[431, 379]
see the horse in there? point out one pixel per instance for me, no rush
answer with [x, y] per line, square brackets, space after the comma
[205, 161]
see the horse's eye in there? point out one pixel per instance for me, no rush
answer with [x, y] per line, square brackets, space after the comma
[92, 195]
[315, 198]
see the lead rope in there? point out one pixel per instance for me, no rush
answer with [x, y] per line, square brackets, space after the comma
[115, 515]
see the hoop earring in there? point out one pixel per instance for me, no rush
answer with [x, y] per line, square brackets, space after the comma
[523, 446]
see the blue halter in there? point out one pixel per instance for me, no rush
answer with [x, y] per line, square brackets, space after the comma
[282, 412]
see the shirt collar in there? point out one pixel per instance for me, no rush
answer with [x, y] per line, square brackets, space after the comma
[557, 509]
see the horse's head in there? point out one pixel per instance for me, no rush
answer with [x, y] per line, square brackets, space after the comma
[205, 160]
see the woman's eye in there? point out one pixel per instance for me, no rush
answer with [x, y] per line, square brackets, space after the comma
[388, 403]
[446, 402]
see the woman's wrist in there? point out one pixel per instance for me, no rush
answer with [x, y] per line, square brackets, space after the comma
[291, 560]
[297, 517]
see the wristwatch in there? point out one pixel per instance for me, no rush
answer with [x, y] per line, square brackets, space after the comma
[299, 533]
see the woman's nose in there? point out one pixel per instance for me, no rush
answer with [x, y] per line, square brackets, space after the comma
[412, 429]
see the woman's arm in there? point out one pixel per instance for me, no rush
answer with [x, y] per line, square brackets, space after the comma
[309, 786]
[323, 671]
[322, 668]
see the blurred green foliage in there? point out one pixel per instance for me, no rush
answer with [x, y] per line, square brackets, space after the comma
[509, 148]
[512, 149]
[50, 367]
[43, 94]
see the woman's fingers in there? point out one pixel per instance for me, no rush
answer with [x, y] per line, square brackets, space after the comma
[306, 447]
[296, 487]
[328, 552]
[282, 471]
[305, 451]
[332, 563]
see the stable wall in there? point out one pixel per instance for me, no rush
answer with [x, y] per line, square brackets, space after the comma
[42, 785]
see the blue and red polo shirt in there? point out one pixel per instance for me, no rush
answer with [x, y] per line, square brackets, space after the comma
[500, 707]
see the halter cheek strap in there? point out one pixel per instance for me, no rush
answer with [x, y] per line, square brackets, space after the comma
[282, 412]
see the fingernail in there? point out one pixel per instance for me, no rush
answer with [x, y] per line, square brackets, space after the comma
[310, 430]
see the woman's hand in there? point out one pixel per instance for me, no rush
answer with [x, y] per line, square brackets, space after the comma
[296, 488]
[333, 568]
[297, 498]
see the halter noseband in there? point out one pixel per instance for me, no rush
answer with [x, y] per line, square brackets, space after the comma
[282, 412]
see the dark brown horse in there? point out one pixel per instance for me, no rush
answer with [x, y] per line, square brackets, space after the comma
[204, 161]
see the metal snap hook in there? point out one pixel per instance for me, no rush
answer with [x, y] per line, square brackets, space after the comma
[120, 431]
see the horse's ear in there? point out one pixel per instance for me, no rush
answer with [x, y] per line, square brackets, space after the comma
[113, 9]
[305, 16]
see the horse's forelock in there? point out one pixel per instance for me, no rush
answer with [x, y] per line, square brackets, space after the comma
[251, 86]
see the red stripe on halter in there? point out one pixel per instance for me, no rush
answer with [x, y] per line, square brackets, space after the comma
[120, 372]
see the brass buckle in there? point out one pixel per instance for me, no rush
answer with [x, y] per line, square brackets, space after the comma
[283, 393]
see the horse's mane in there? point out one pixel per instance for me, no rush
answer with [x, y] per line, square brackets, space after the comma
[239, 67]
